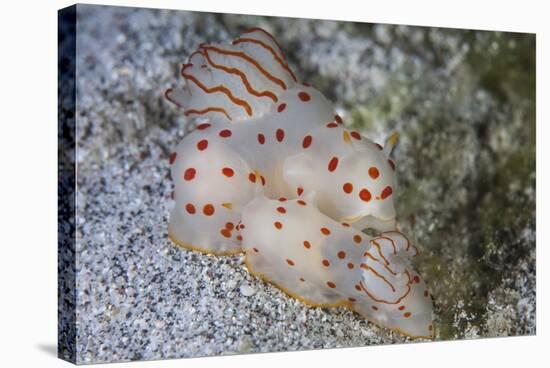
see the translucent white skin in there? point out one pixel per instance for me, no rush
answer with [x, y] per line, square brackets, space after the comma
[265, 137]
[289, 170]
[325, 263]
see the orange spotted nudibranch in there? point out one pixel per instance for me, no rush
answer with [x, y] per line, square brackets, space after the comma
[271, 171]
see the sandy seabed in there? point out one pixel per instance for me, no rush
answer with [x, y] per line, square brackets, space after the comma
[463, 103]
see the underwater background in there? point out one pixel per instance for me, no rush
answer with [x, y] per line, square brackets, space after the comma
[463, 103]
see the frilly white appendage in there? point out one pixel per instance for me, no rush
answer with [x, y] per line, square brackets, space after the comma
[235, 82]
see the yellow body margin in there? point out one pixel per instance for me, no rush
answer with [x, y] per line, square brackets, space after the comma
[342, 303]
[188, 246]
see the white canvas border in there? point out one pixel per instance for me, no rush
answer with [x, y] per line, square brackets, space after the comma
[29, 180]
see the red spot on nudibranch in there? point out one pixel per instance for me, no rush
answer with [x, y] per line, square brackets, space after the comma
[302, 279]
[208, 209]
[226, 133]
[282, 199]
[416, 279]
[280, 135]
[252, 177]
[278, 225]
[357, 287]
[350, 265]
[357, 238]
[226, 233]
[189, 174]
[331, 284]
[338, 119]
[332, 125]
[401, 307]
[379, 146]
[348, 188]
[281, 210]
[345, 224]
[300, 202]
[304, 96]
[333, 163]
[190, 208]
[365, 195]
[290, 262]
[202, 145]
[352, 299]
[227, 171]
[307, 141]
[356, 135]
[281, 107]
[229, 226]
[374, 307]
[386, 192]
[325, 262]
[173, 156]
[325, 231]
[307, 244]
[373, 172]
[261, 138]
[239, 238]
[256, 250]
[341, 254]
[203, 126]
[299, 190]
[407, 315]
[262, 179]
[392, 164]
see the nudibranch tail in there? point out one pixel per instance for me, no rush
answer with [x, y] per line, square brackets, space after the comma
[326, 263]
[402, 299]
[235, 82]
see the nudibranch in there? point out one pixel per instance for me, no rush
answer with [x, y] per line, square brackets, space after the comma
[271, 171]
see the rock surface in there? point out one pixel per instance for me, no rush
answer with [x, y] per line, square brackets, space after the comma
[463, 103]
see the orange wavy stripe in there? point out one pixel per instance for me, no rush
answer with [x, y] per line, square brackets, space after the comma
[364, 266]
[392, 243]
[382, 300]
[377, 260]
[218, 88]
[208, 109]
[403, 235]
[198, 52]
[380, 251]
[243, 77]
[258, 29]
[249, 59]
[270, 49]
[167, 96]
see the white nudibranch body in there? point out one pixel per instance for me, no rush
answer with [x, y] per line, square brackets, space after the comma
[272, 171]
